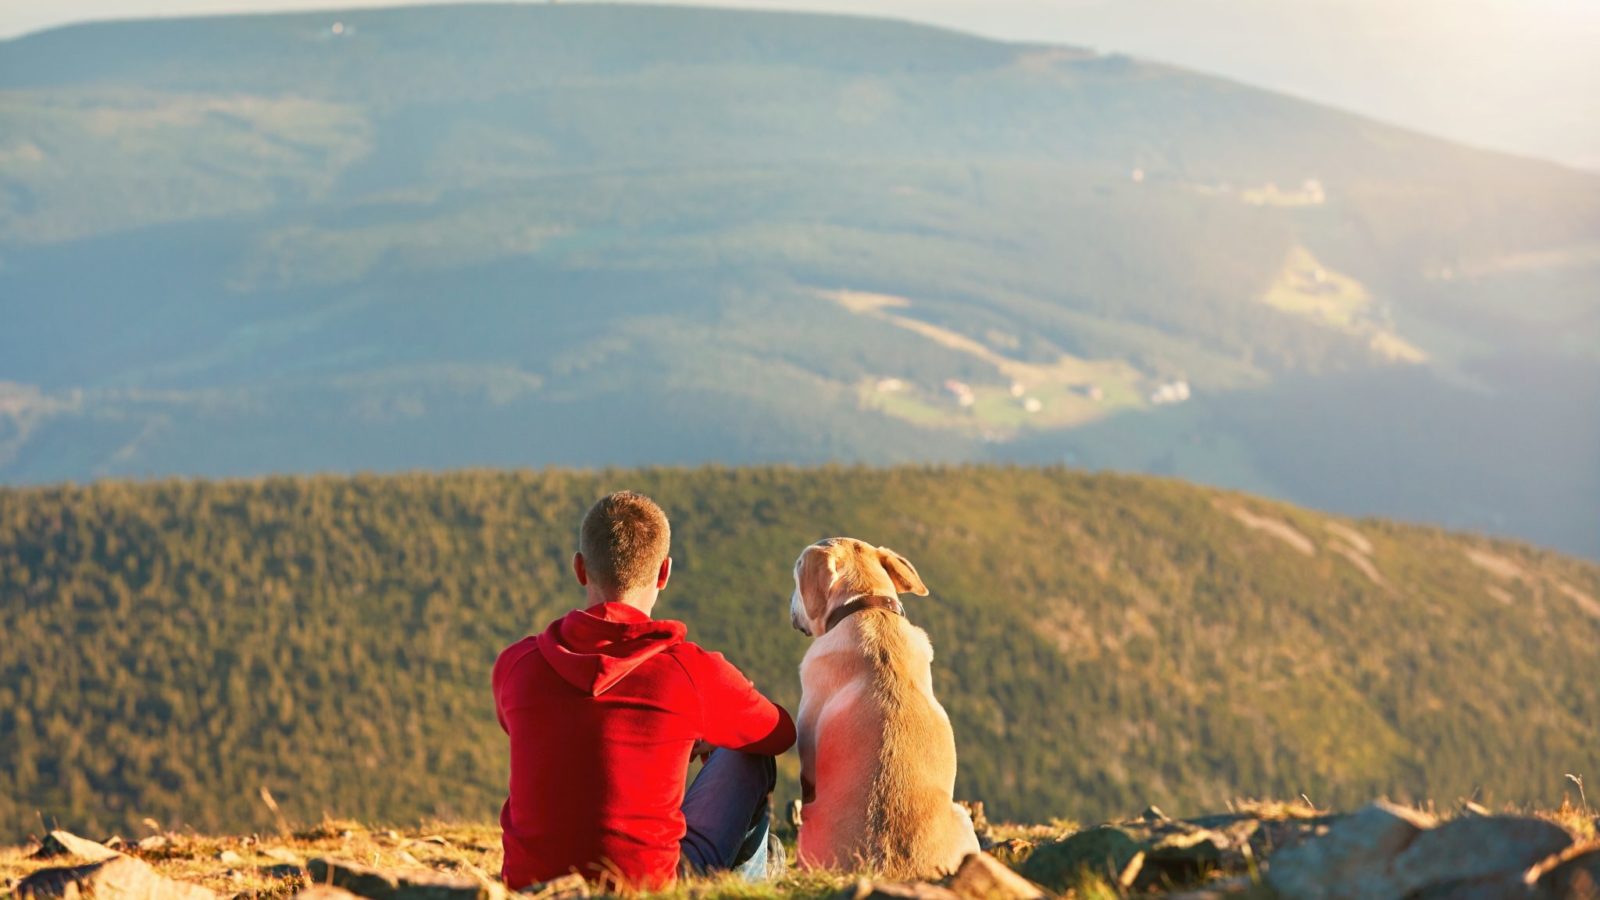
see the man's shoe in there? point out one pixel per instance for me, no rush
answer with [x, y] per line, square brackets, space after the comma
[777, 858]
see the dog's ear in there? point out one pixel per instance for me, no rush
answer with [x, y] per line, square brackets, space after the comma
[902, 572]
[814, 575]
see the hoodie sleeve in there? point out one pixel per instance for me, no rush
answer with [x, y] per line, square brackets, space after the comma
[733, 713]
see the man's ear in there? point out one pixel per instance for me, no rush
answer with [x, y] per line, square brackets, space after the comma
[663, 574]
[579, 570]
[902, 572]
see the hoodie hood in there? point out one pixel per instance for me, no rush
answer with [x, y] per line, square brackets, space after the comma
[593, 649]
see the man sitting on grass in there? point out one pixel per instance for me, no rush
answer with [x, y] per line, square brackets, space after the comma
[605, 709]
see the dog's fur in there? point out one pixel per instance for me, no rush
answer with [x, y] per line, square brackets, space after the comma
[877, 756]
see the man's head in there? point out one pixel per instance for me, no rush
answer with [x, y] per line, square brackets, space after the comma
[622, 550]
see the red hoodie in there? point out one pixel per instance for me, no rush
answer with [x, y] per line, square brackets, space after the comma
[603, 709]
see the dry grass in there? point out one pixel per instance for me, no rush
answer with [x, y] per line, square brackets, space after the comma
[270, 866]
[1580, 820]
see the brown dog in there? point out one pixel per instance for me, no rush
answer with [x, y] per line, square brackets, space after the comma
[877, 756]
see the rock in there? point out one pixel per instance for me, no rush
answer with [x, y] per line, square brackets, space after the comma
[153, 842]
[1274, 835]
[1575, 876]
[1264, 835]
[1105, 851]
[121, 877]
[1153, 814]
[1503, 886]
[228, 857]
[1182, 858]
[896, 890]
[282, 855]
[1221, 889]
[65, 843]
[324, 892]
[385, 884]
[282, 870]
[1353, 860]
[567, 886]
[1476, 847]
[1010, 852]
[982, 877]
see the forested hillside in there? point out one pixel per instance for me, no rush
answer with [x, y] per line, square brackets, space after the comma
[1102, 642]
[383, 240]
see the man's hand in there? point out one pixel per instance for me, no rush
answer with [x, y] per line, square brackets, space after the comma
[701, 750]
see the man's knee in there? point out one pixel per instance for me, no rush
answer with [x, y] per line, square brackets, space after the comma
[759, 769]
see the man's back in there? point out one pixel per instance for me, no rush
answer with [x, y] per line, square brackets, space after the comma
[603, 710]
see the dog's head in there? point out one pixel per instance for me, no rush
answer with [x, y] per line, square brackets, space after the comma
[832, 572]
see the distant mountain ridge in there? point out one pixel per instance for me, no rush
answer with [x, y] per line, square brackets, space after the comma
[436, 237]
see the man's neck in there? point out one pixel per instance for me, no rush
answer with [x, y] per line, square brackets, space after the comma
[643, 601]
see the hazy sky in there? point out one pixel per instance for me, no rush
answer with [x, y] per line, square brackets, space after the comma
[1522, 75]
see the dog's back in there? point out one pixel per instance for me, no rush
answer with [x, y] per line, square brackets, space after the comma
[890, 730]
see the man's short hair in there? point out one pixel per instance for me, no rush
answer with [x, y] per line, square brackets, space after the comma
[624, 538]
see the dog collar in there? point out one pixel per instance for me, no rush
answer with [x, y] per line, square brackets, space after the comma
[858, 604]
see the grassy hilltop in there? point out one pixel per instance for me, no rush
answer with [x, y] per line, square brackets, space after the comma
[1102, 642]
[478, 235]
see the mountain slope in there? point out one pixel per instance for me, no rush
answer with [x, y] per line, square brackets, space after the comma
[465, 236]
[1102, 641]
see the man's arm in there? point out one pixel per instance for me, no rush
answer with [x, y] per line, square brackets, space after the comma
[733, 713]
[500, 677]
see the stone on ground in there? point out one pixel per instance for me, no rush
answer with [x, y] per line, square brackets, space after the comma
[282, 855]
[1105, 852]
[1500, 886]
[1354, 860]
[120, 877]
[982, 877]
[65, 843]
[388, 884]
[1477, 847]
[324, 892]
[1183, 857]
[1575, 877]
[1223, 889]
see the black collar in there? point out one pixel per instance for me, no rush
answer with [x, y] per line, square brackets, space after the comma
[871, 601]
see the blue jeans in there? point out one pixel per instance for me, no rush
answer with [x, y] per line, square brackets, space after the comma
[726, 811]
